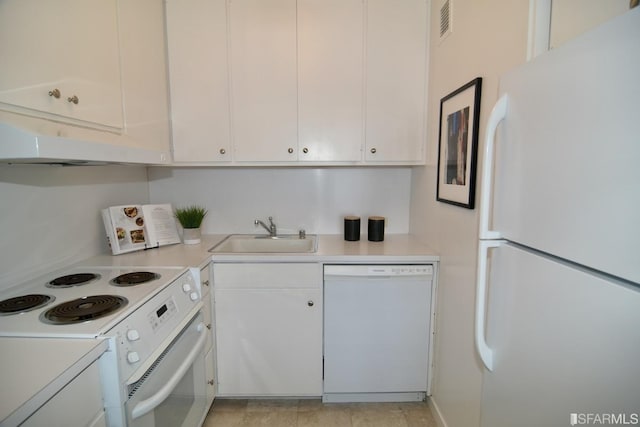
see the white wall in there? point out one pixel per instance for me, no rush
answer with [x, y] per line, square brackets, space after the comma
[315, 199]
[50, 215]
[570, 18]
[489, 37]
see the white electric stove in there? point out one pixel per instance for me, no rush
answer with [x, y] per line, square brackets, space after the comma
[151, 317]
[82, 301]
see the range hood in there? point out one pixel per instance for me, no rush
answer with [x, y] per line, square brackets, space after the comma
[18, 145]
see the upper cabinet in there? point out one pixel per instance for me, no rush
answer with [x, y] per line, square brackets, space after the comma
[91, 71]
[143, 65]
[330, 80]
[396, 70]
[277, 82]
[262, 43]
[72, 72]
[198, 76]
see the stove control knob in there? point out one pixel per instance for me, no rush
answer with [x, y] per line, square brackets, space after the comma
[133, 357]
[186, 287]
[133, 335]
[194, 296]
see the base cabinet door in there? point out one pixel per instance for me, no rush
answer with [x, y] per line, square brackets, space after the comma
[269, 342]
[210, 373]
[268, 329]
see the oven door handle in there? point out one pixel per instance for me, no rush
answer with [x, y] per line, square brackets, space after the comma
[151, 403]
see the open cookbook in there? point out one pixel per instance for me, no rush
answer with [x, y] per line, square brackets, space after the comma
[137, 227]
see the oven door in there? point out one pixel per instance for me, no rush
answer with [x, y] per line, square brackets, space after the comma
[173, 392]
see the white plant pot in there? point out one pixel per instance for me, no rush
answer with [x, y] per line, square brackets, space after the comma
[191, 236]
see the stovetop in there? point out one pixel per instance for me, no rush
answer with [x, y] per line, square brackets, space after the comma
[69, 296]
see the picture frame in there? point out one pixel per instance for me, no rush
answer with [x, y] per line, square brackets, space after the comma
[458, 145]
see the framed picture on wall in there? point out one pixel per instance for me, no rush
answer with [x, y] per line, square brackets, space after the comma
[458, 145]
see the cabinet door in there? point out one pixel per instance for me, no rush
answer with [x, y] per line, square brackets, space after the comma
[198, 72]
[269, 342]
[208, 320]
[144, 76]
[209, 369]
[263, 79]
[66, 45]
[330, 87]
[395, 80]
[205, 291]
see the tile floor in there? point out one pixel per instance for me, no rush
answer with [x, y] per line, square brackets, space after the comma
[313, 413]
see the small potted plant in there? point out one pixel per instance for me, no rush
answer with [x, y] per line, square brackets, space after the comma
[191, 219]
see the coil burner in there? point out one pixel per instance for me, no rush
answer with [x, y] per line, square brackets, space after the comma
[24, 303]
[134, 278]
[83, 309]
[72, 280]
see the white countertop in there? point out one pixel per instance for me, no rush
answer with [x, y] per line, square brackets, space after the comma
[34, 369]
[332, 248]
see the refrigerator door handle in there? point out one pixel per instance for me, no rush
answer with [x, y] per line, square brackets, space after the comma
[484, 351]
[498, 113]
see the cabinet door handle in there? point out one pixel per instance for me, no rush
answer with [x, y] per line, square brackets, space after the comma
[310, 303]
[209, 326]
[290, 150]
[73, 99]
[205, 283]
[55, 93]
[305, 150]
[223, 151]
[373, 151]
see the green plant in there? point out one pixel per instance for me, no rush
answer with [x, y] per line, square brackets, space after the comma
[191, 216]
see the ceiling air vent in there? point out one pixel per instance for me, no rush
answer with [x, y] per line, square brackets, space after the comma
[445, 19]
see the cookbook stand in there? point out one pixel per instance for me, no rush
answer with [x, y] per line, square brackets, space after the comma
[147, 247]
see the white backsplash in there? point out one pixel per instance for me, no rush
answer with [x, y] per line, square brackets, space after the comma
[50, 215]
[315, 199]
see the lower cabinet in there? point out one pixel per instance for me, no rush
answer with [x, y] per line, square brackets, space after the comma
[209, 358]
[268, 329]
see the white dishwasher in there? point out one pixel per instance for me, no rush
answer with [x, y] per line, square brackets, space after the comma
[377, 332]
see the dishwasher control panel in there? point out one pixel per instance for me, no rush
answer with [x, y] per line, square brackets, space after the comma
[400, 270]
[377, 270]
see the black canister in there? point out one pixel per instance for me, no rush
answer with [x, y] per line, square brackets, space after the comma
[352, 228]
[376, 229]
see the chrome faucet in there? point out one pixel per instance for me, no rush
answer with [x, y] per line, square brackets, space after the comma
[270, 228]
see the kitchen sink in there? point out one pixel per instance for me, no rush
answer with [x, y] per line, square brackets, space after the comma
[250, 243]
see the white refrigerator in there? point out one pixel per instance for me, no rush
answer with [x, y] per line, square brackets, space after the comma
[558, 292]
